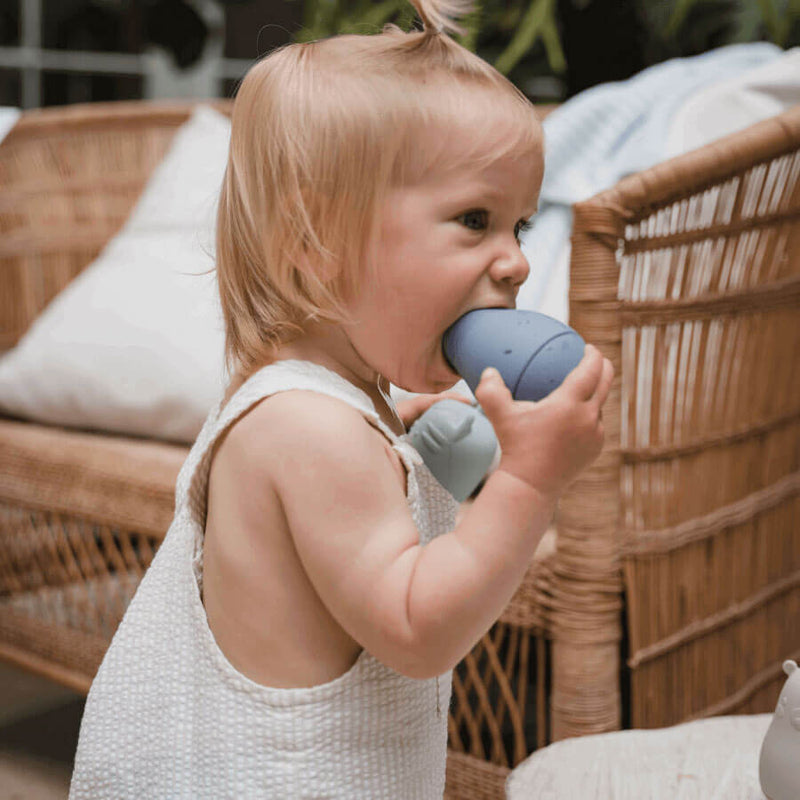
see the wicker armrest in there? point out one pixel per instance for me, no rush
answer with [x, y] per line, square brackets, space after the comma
[81, 515]
[110, 480]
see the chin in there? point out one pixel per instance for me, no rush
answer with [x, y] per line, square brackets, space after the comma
[429, 378]
[441, 382]
[446, 377]
[449, 383]
[428, 384]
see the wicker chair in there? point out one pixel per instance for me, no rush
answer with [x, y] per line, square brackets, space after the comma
[664, 594]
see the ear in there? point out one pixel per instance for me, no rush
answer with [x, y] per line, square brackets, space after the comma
[789, 666]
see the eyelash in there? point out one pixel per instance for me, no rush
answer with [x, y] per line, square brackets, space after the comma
[521, 227]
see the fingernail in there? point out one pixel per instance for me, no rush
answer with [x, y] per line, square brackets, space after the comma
[490, 372]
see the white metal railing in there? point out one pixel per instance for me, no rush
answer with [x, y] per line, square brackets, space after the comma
[161, 79]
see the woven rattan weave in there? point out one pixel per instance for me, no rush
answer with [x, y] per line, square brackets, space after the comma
[672, 587]
[688, 277]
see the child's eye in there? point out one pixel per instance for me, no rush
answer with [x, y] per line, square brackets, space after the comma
[522, 226]
[476, 220]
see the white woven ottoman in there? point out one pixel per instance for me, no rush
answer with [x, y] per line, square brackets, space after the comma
[711, 759]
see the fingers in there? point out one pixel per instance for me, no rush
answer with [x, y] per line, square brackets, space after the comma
[606, 380]
[453, 396]
[411, 409]
[493, 395]
[583, 381]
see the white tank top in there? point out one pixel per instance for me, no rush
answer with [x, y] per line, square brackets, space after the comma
[168, 716]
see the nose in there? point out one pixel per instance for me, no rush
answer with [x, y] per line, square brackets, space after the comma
[510, 266]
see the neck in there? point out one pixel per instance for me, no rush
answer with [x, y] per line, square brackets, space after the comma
[327, 345]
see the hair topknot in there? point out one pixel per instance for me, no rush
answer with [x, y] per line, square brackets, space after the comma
[439, 16]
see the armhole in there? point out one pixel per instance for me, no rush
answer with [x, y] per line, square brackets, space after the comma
[398, 462]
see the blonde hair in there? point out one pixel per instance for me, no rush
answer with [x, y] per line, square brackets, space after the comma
[320, 132]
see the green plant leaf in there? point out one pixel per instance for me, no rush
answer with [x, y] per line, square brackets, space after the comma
[552, 46]
[319, 20]
[539, 13]
[406, 17]
[679, 14]
[472, 25]
[784, 25]
[769, 14]
[373, 20]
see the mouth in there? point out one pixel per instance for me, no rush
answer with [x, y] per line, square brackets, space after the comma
[443, 355]
[504, 305]
[509, 305]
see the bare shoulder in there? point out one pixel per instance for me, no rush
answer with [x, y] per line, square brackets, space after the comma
[327, 475]
[296, 429]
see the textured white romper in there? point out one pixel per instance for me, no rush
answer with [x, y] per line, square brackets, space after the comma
[169, 717]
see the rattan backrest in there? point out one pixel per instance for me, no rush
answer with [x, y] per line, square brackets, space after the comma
[687, 275]
[68, 179]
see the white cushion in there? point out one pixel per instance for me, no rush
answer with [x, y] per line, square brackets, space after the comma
[134, 344]
[708, 758]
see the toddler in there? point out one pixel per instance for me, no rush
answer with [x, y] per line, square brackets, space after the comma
[295, 634]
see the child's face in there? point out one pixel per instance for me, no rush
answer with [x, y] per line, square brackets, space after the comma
[445, 246]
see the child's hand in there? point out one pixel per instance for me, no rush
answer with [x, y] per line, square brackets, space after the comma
[413, 408]
[546, 444]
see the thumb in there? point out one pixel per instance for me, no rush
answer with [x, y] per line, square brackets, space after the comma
[493, 395]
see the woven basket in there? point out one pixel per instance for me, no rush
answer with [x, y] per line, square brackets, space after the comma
[707, 570]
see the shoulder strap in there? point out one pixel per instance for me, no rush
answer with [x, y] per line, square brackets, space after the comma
[277, 377]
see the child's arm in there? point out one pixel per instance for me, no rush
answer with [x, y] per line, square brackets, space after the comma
[542, 452]
[420, 609]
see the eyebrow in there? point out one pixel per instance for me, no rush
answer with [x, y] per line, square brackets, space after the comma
[477, 192]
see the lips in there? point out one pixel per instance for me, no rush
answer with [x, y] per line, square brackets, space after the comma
[507, 304]
[504, 304]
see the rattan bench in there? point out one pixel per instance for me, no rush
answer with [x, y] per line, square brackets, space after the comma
[671, 589]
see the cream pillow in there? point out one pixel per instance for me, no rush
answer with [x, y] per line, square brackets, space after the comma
[134, 344]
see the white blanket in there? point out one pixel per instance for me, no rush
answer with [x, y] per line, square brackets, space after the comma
[615, 129]
[734, 104]
[8, 118]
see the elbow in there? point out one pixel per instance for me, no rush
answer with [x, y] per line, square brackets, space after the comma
[416, 641]
[415, 658]
[421, 669]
